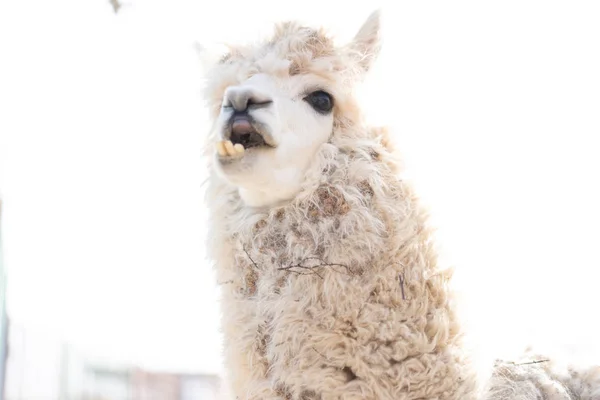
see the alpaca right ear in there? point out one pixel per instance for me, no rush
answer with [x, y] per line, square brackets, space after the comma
[366, 45]
[209, 56]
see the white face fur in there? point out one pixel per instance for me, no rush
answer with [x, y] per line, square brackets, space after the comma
[294, 116]
[270, 127]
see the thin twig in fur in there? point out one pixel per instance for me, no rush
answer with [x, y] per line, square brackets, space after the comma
[358, 316]
[530, 362]
[401, 279]
[324, 264]
[498, 363]
[253, 262]
[312, 272]
[319, 353]
[312, 269]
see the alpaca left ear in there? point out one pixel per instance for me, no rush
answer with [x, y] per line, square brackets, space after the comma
[366, 45]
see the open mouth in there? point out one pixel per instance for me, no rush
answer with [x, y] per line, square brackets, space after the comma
[248, 140]
[244, 133]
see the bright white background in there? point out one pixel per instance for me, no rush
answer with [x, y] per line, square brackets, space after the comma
[496, 108]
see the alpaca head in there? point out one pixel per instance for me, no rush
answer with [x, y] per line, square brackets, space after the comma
[273, 105]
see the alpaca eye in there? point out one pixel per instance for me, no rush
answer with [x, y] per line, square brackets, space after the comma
[321, 101]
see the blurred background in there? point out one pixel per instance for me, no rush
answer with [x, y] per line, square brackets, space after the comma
[105, 291]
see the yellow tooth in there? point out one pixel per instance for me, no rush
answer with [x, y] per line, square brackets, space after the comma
[239, 148]
[221, 148]
[229, 147]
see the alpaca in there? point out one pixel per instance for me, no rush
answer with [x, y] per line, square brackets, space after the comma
[330, 284]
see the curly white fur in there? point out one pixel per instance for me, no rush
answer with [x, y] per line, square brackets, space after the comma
[331, 287]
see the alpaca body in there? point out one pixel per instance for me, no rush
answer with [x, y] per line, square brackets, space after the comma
[330, 283]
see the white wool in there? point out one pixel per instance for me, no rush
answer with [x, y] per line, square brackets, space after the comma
[330, 281]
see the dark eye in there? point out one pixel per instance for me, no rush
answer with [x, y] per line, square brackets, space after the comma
[321, 101]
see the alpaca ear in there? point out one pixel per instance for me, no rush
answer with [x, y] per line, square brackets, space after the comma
[365, 46]
[209, 56]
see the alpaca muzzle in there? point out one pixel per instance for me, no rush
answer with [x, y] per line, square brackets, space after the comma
[243, 130]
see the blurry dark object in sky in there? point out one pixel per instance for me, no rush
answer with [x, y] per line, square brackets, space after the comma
[116, 5]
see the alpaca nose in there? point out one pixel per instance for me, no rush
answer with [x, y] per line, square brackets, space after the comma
[244, 98]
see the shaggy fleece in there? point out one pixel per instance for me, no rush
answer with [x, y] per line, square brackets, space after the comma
[337, 294]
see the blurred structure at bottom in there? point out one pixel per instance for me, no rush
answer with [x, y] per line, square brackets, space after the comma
[3, 319]
[42, 369]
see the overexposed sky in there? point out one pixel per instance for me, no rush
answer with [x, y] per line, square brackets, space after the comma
[496, 107]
